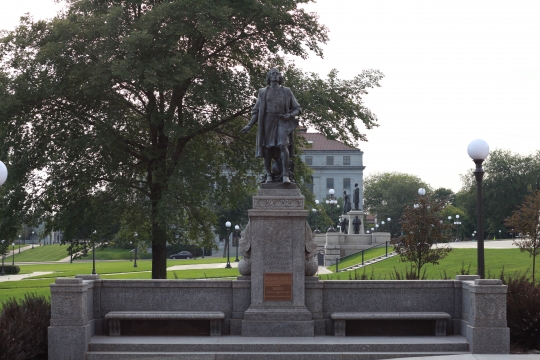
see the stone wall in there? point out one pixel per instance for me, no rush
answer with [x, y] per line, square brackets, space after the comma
[79, 306]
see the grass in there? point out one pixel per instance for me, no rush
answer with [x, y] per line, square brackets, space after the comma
[357, 258]
[512, 259]
[106, 270]
[495, 259]
[42, 253]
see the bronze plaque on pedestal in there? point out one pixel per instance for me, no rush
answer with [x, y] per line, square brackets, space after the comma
[277, 286]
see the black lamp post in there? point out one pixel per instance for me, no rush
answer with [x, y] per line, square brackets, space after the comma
[228, 226]
[32, 239]
[136, 246]
[315, 211]
[457, 223]
[94, 252]
[71, 252]
[131, 251]
[19, 244]
[500, 236]
[331, 201]
[13, 254]
[478, 150]
[3, 256]
[236, 238]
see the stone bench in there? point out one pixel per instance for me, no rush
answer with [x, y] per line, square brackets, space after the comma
[215, 318]
[440, 318]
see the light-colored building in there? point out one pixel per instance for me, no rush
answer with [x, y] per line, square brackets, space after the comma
[335, 166]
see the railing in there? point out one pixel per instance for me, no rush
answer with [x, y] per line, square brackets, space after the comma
[361, 251]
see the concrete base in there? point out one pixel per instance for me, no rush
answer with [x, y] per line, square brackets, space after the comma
[277, 328]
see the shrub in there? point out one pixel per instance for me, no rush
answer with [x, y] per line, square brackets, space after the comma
[11, 269]
[23, 328]
[523, 310]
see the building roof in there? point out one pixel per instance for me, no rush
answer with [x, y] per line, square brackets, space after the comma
[319, 142]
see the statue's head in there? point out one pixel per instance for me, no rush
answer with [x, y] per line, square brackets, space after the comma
[355, 184]
[272, 72]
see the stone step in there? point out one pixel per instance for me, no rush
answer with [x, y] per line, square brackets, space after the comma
[261, 355]
[369, 262]
[100, 346]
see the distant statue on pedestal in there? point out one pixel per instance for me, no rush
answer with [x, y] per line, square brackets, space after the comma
[344, 225]
[356, 197]
[356, 225]
[346, 203]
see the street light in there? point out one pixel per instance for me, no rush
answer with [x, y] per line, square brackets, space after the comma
[136, 248]
[94, 253]
[389, 219]
[13, 254]
[228, 226]
[237, 236]
[457, 223]
[500, 236]
[3, 255]
[32, 239]
[331, 201]
[131, 251]
[377, 226]
[478, 150]
[19, 244]
[421, 191]
[315, 211]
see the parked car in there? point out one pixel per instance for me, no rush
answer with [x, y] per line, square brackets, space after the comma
[182, 255]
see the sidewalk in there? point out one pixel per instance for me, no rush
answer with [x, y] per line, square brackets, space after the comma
[18, 277]
[480, 357]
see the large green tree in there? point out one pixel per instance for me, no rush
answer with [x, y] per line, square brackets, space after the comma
[386, 194]
[509, 178]
[148, 97]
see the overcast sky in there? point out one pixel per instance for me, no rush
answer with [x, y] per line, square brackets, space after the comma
[454, 71]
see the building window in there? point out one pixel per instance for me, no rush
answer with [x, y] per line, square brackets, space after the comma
[346, 160]
[329, 160]
[309, 160]
[329, 183]
[346, 183]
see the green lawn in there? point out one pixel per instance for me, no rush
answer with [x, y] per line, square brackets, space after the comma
[512, 259]
[42, 253]
[495, 259]
[106, 270]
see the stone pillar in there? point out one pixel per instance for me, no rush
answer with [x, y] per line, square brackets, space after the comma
[72, 317]
[352, 215]
[484, 316]
[277, 233]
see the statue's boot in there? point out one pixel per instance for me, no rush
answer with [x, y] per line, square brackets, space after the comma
[269, 178]
[286, 179]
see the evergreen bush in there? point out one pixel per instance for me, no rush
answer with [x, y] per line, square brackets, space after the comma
[23, 328]
[11, 269]
[523, 310]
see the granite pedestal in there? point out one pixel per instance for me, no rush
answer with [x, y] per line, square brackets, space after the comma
[277, 235]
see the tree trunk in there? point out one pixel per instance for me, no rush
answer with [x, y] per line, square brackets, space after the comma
[159, 235]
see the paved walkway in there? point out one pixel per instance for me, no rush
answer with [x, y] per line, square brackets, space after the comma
[234, 264]
[488, 244]
[480, 357]
[17, 277]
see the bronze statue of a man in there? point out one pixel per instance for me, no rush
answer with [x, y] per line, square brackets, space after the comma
[275, 112]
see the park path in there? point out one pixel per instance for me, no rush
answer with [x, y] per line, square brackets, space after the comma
[18, 277]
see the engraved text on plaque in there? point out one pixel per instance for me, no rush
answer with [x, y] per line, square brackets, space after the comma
[277, 287]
